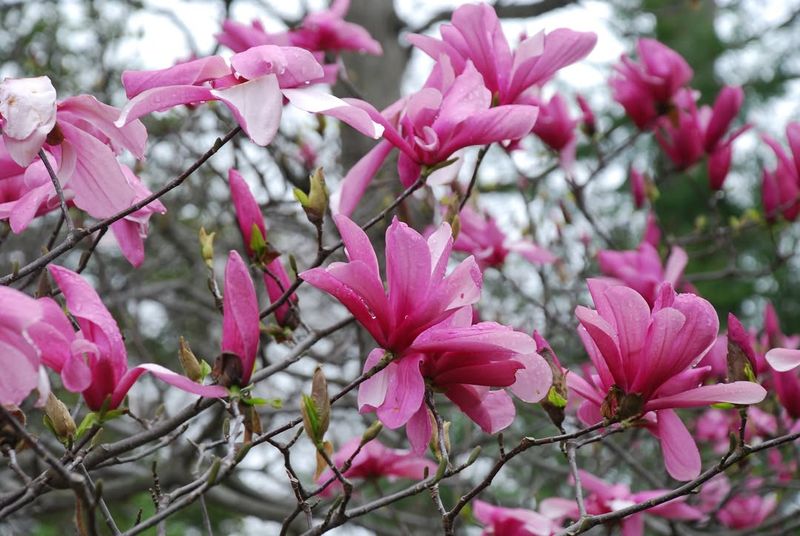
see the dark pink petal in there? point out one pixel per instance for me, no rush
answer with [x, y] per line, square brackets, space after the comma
[159, 99]
[510, 122]
[240, 319]
[358, 178]
[726, 108]
[190, 73]
[408, 268]
[248, 213]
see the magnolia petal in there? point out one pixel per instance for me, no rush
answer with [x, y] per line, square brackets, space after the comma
[167, 376]
[404, 393]
[419, 430]
[358, 178]
[256, 105]
[315, 101]
[783, 359]
[681, 457]
[534, 380]
[372, 392]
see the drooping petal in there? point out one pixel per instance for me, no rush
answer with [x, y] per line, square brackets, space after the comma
[132, 136]
[404, 393]
[419, 430]
[164, 374]
[257, 105]
[491, 410]
[159, 99]
[681, 457]
[315, 101]
[372, 392]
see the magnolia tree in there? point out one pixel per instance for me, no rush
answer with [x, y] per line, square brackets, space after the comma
[384, 365]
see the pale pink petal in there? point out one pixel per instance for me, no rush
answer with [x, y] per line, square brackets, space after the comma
[510, 122]
[733, 393]
[419, 430]
[257, 105]
[404, 393]
[673, 271]
[783, 359]
[372, 392]
[491, 410]
[315, 101]
[98, 183]
[534, 380]
[130, 240]
[132, 136]
[293, 66]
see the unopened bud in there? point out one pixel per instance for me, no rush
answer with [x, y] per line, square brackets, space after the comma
[371, 432]
[741, 356]
[207, 247]
[58, 419]
[316, 409]
[315, 203]
[189, 362]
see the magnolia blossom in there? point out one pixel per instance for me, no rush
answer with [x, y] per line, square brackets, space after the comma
[93, 360]
[638, 187]
[19, 357]
[645, 89]
[744, 510]
[429, 126]
[645, 362]
[423, 327]
[320, 31]
[81, 145]
[253, 87]
[248, 215]
[480, 236]
[27, 115]
[499, 521]
[475, 37]
[376, 460]
[588, 121]
[694, 132]
[642, 270]
[604, 498]
[780, 188]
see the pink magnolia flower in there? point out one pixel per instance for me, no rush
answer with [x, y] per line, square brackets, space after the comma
[248, 215]
[252, 87]
[652, 232]
[320, 31]
[424, 323]
[694, 133]
[241, 329]
[94, 360]
[645, 361]
[499, 521]
[556, 128]
[19, 357]
[645, 89]
[419, 294]
[480, 236]
[429, 126]
[475, 36]
[638, 187]
[780, 188]
[604, 498]
[642, 270]
[81, 147]
[376, 460]
[27, 115]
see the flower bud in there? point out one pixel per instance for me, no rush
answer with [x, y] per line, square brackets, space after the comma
[189, 362]
[315, 203]
[58, 419]
[316, 409]
[207, 247]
